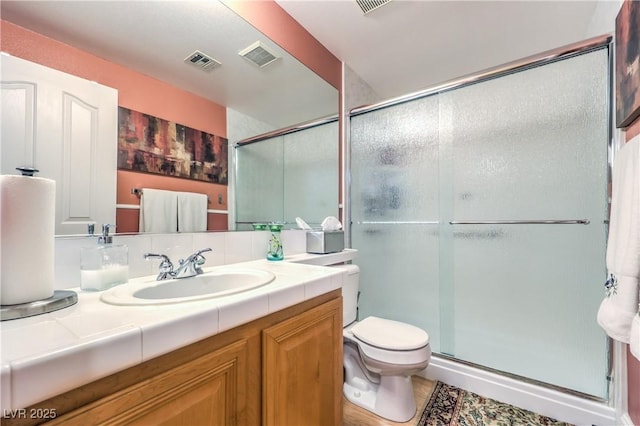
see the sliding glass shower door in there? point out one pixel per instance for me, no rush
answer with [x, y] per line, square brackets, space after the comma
[395, 212]
[494, 241]
[291, 175]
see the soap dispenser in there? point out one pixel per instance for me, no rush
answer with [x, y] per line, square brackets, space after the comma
[104, 265]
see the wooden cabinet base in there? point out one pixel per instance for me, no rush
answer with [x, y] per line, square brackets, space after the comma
[224, 380]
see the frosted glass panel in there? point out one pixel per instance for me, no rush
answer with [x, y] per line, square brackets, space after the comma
[394, 161]
[260, 181]
[311, 174]
[293, 175]
[399, 274]
[531, 144]
[526, 298]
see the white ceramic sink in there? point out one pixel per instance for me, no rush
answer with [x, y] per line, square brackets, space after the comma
[212, 284]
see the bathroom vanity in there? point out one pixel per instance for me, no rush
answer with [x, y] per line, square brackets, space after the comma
[271, 356]
[269, 369]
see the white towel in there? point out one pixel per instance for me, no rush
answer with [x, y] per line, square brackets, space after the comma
[192, 212]
[623, 247]
[158, 211]
[634, 338]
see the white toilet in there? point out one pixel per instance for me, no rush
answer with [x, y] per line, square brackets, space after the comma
[380, 356]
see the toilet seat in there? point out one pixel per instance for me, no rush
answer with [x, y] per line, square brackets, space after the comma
[388, 334]
[379, 341]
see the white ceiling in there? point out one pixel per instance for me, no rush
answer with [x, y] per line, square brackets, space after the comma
[399, 48]
[405, 46]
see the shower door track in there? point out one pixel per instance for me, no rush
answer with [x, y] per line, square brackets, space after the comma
[521, 378]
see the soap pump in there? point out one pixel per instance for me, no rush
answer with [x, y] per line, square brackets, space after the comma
[104, 265]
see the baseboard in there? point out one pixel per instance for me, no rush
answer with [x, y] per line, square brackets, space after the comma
[548, 402]
[625, 420]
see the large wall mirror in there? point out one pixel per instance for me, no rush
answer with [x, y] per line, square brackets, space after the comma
[155, 37]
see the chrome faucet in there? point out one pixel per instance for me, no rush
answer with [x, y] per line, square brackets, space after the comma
[191, 265]
[188, 267]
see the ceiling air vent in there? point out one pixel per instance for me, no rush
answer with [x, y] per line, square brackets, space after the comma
[203, 61]
[258, 55]
[369, 5]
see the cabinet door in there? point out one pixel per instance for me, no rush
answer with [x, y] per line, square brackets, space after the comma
[210, 390]
[302, 368]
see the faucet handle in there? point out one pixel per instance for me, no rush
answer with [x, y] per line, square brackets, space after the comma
[166, 267]
[199, 252]
[198, 259]
[165, 259]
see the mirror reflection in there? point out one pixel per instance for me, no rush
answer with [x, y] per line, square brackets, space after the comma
[287, 176]
[237, 100]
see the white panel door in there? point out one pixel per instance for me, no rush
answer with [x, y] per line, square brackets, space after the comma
[66, 127]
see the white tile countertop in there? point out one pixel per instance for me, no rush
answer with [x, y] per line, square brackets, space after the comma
[45, 355]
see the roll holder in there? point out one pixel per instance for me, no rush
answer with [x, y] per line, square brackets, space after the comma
[61, 298]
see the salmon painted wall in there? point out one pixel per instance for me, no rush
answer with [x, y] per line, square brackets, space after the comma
[137, 92]
[269, 18]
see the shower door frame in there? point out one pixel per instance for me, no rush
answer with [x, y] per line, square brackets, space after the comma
[548, 57]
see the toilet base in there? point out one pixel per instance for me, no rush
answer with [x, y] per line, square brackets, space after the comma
[392, 397]
[394, 400]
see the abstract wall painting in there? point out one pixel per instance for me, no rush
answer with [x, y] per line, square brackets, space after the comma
[627, 63]
[153, 145]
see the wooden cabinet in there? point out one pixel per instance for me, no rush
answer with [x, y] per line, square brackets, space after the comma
[302, 369]
[283, 369]
[207, 391]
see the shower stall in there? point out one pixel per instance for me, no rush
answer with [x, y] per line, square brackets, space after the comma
[479, 209]
[288, 173]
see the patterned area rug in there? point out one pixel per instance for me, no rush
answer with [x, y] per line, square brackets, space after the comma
[449, 405]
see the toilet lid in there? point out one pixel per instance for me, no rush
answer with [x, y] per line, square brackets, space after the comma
[388, 334]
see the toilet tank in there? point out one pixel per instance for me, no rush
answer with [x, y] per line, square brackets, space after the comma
[350, 284]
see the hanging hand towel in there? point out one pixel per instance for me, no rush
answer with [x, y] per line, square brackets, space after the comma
[634, 338]
[192, 212]
[623, 247]
[158, 211]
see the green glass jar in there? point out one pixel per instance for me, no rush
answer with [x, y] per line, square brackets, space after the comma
[274, 249]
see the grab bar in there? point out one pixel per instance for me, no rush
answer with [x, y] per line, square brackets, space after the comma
[520, 222]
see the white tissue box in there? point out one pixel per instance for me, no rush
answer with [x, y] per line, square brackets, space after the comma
[322, 242]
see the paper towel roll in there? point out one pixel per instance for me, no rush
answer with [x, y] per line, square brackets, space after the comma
[27, 224]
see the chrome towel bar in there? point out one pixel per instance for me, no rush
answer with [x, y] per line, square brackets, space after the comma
[138, 192]
[520, 222]
[398, 222]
